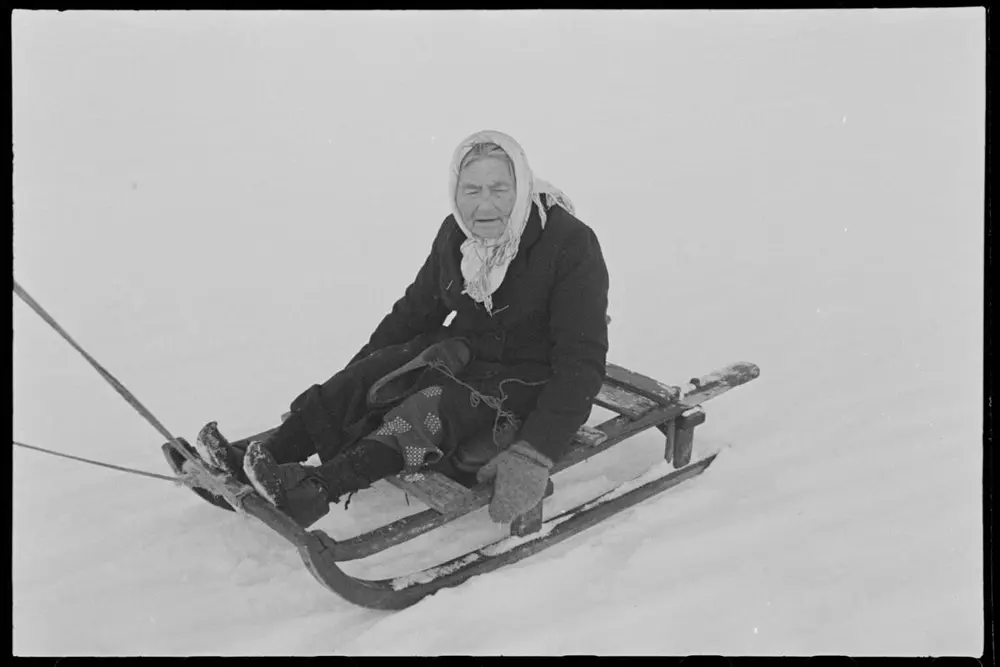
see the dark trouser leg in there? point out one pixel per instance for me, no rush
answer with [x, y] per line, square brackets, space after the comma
[359, 467]
[328, 417]
[290, 442]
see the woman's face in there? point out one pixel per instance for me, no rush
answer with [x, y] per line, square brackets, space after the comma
[485, 196]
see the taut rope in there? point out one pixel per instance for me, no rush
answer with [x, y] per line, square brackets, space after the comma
[118, 386]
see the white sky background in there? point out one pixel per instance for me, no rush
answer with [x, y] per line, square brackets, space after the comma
[235, 164]
[220, 206]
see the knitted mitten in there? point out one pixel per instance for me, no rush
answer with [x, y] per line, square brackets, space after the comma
[520, 475]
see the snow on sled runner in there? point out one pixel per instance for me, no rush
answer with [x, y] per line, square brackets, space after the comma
[641, 403]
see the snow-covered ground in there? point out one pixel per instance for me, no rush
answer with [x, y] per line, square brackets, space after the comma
[221, 206]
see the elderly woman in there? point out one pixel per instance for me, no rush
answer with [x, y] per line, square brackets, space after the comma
[518, 366]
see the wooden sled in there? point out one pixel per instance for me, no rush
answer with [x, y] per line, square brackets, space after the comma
[640, 403]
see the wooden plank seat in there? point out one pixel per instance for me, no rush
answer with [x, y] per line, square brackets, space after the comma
[684, 415]
[633, 394]
[630, 394]
[437, 491]
[623, 401]
[647, 387]
[675, 420]
[445, 495]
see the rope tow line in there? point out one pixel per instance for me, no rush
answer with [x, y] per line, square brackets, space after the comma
[99, 463]
[118, 386]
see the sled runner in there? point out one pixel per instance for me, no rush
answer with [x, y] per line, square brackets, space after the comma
[640, 402]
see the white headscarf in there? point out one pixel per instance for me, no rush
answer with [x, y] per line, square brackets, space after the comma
[485, 261]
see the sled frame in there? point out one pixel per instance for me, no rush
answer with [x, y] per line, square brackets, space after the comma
[641, 403]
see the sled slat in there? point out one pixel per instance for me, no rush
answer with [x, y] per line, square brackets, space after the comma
[437, 491]
[588, 436]
[647, 387]
[623, 402]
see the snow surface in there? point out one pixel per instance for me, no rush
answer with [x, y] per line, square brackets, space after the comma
[221, 206]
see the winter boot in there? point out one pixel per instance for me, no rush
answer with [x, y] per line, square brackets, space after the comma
[216, 450]
[177, 462]
[305, 492]
[287, 444]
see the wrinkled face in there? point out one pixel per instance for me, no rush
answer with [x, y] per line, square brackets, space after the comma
[485, 196]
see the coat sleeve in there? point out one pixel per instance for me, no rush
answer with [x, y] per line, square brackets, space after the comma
[420, 310]
[578, 329]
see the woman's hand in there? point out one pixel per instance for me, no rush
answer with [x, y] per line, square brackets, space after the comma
[520, 475]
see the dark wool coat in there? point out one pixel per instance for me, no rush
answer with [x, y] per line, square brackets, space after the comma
[549, 320]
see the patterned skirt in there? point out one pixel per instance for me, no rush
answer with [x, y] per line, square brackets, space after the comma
[430, 423]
